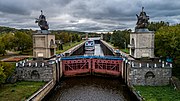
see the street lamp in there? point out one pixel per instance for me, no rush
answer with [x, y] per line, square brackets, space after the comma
[125, 44]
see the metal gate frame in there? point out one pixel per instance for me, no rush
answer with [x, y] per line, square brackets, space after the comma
[111, 67]
[73, 67]
[104, 65]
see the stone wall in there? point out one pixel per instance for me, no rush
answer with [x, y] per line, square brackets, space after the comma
[34, 71]
[143, 44]
[43, 44]
[153, 74]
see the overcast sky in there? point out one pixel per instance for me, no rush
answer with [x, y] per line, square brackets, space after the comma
[86, 15]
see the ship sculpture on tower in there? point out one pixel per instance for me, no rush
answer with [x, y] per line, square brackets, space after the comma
[142, 20]
[42, 23]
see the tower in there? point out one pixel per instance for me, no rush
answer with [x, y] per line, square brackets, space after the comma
[142, 40]
[43, 41]
[43, 45]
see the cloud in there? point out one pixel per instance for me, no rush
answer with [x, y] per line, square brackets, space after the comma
[86, 15]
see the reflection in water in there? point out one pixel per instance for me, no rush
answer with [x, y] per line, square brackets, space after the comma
[90, 88]
[97, 51]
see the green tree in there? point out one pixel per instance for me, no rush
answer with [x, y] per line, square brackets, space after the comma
[2, 75]
[120, 38]
[167, 44]
[8, 68]
[154, 26]
[2, 47]
[65, 37]
[8, 39]
[23, 41]
[167, 41]
[107, 37]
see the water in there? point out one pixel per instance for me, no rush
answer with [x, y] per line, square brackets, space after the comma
[97, 51]
[90, 88]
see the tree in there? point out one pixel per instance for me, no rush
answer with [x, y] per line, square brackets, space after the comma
[8, 39]
[2, 75]
[2, 47]
[6, 71]
[120, 38]
[167, 41]
[107, 37]
[23, 41]
[65, 37]
[154, 26]
[167, 44]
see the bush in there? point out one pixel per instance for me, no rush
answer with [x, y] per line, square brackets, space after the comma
[6, 70]
[2, 75]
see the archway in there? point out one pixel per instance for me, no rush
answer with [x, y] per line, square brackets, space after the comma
[35, 74]
[132, 49]
[52, 48]
[149, 78]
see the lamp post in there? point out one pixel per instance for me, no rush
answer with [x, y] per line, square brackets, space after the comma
[125, 44]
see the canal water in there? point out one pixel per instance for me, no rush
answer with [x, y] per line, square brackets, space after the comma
[90, 88]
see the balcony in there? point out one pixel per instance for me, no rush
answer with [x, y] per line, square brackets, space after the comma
[53, 46]
[132, 46]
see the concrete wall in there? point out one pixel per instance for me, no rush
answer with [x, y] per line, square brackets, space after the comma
[77, 50]
[107, 49]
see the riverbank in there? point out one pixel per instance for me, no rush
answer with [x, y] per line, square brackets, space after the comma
[158, 93]
[19, 91]
[67, 46]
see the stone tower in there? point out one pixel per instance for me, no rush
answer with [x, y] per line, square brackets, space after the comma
[43, 41]
[142, 44]
[142, 40]
[43, 45]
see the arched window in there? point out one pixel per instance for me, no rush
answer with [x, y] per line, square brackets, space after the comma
[132, 41]
[51, 42]
[149, 74]
[150, 78]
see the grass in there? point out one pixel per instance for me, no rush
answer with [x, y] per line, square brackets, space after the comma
[19, 91]
[125, 50]
[67, 46]
[158, 93]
